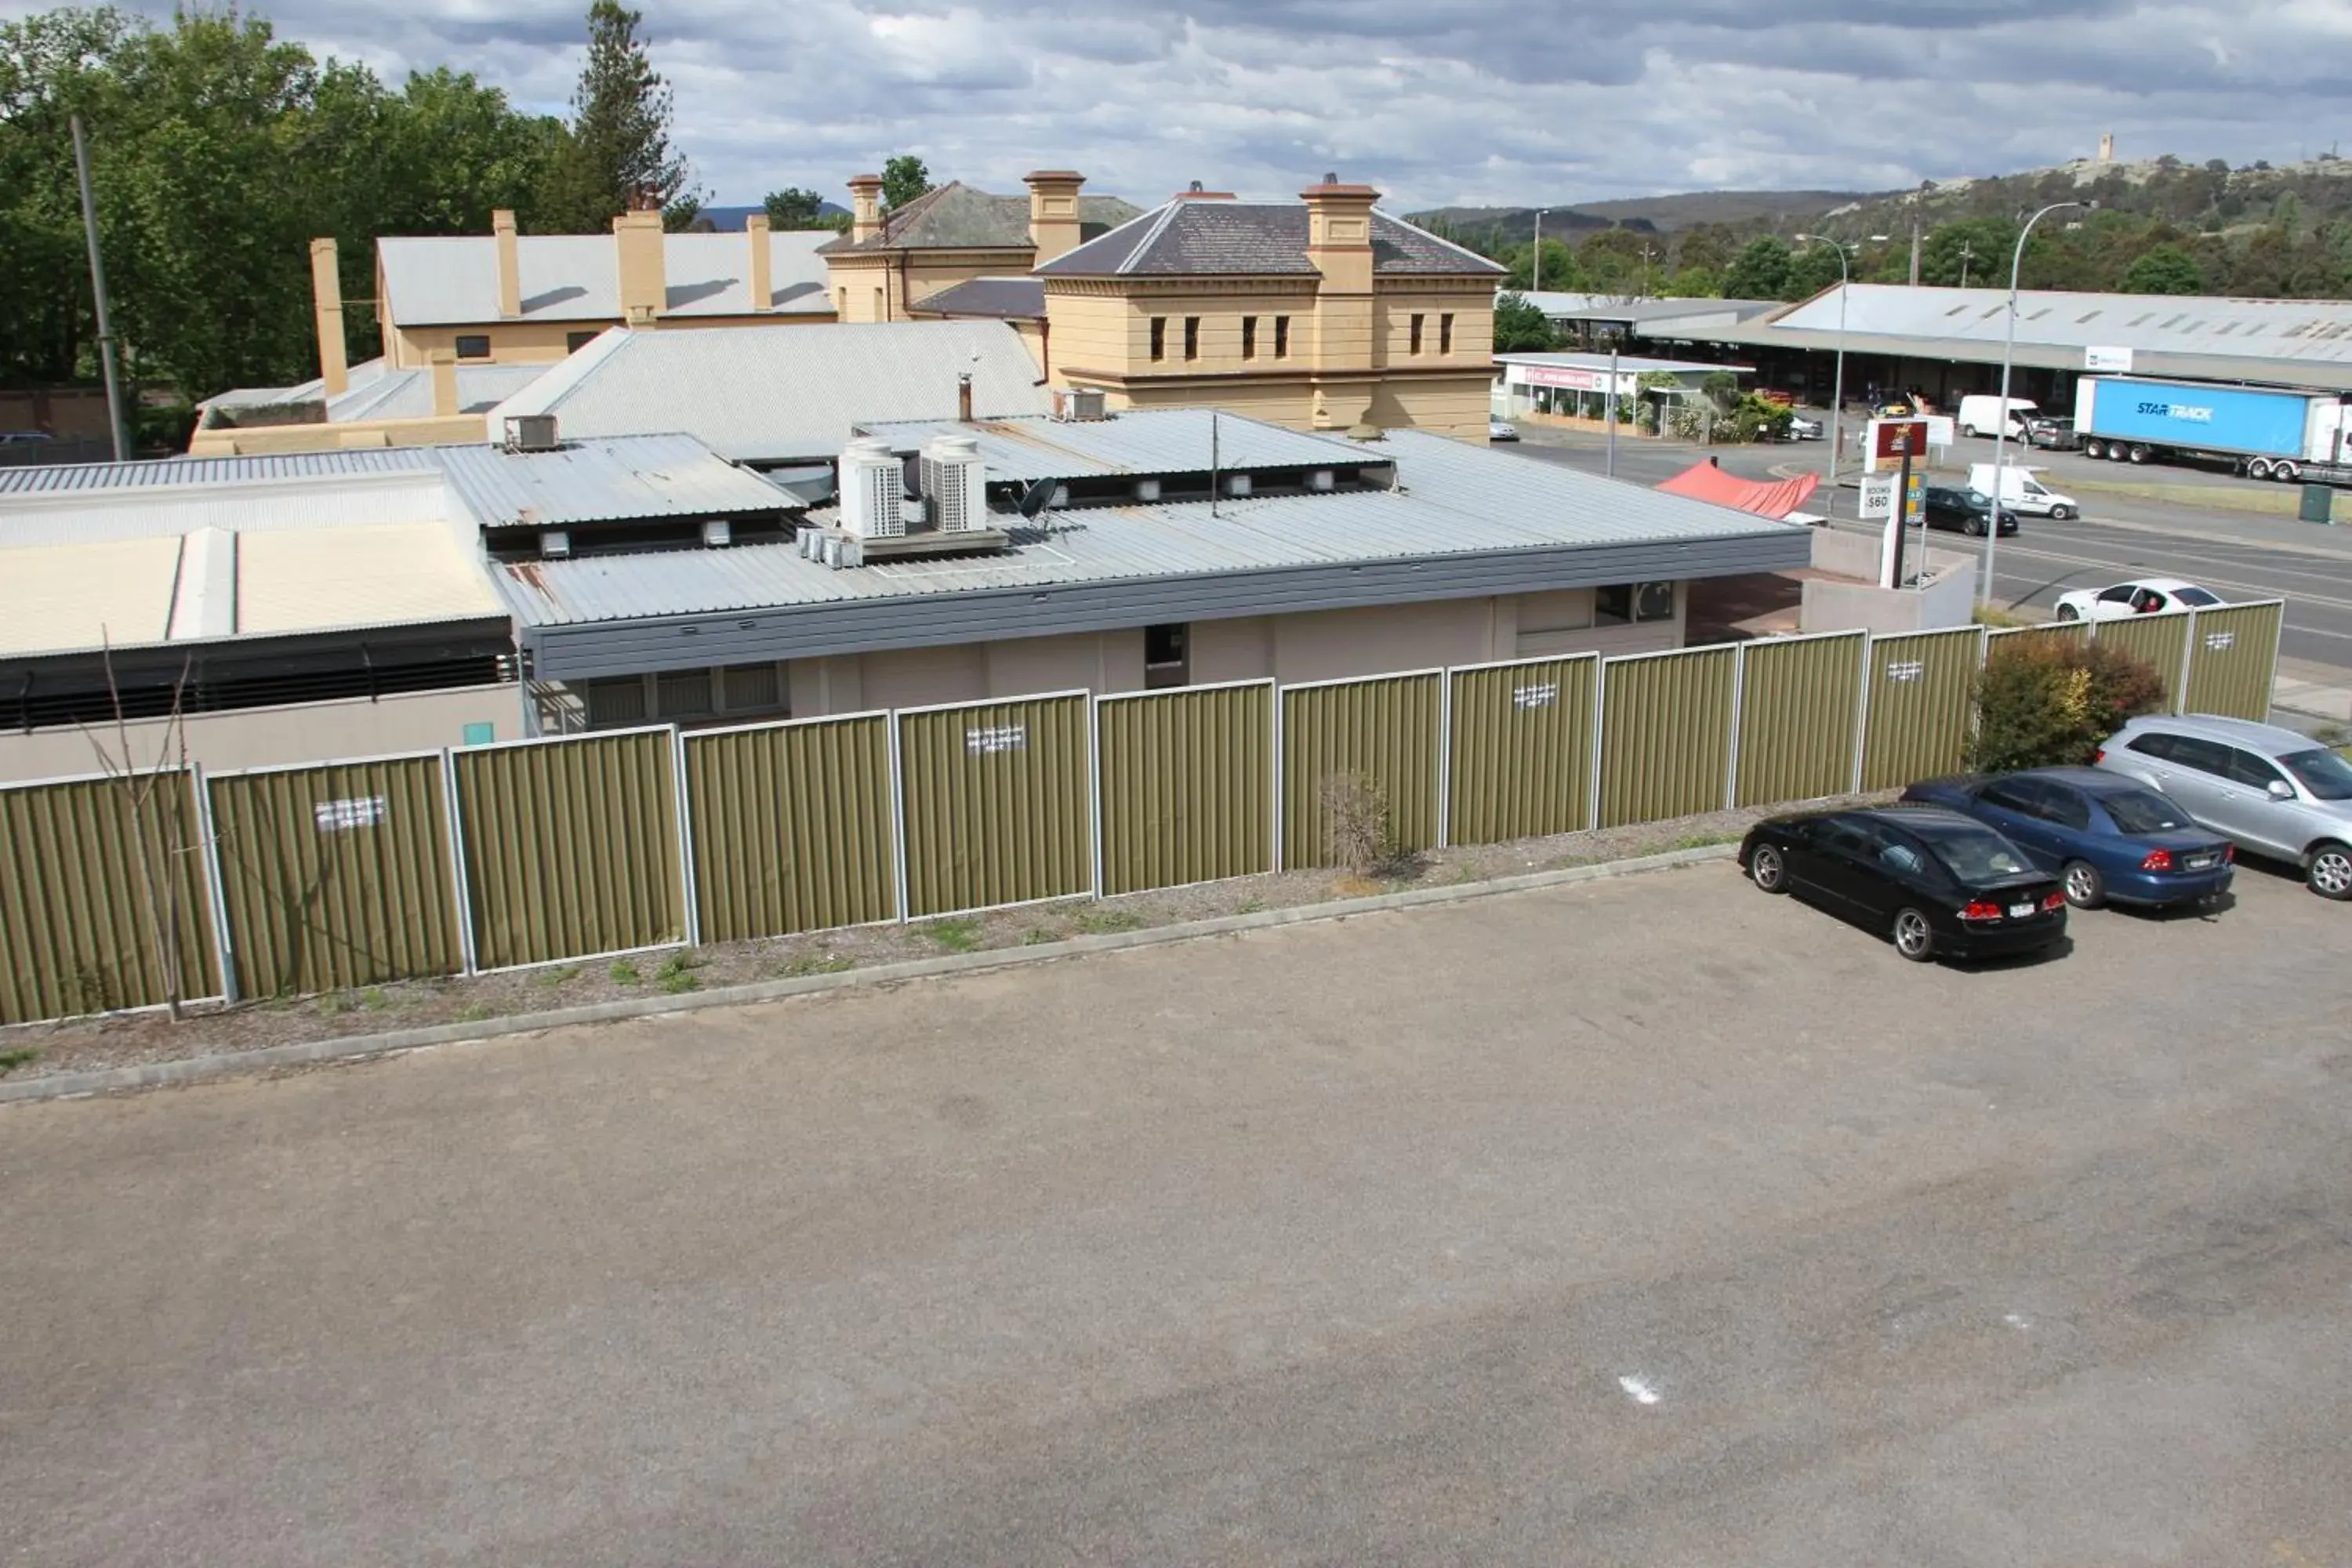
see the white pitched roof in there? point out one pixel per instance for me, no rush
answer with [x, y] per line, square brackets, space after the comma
[453, 280]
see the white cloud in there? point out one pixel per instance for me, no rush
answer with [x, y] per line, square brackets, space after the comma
[1434, 101]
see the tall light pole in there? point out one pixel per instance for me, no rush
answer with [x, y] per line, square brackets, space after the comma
[1837, 392]
[1535, 284]
[116, 424]
[2008, 357]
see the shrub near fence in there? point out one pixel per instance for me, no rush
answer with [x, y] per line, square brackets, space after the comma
[543, 851]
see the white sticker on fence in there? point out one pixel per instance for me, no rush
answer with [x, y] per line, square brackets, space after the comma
[999, 738]
[343, 815]
[2217, 641]
[1906, 670]
[1542, 696]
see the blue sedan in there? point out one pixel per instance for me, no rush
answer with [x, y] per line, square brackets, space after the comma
[2109, 841]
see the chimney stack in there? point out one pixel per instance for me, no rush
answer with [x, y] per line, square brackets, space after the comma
[502, 230]
[326, 306]
[645, 292]
[1339, 247]
[1053, 211]
[864, 208]
[763, 286]
[444, 382]
[963, 398]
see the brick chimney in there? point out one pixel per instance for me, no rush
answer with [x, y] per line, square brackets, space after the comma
[1053, 211]
[1339, 247]
[444, 364]
[327, 307]
[637, 245]
[763, 283]
[502, 231]
[864, 208]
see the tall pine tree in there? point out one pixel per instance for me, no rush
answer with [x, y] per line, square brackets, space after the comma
[617, 156]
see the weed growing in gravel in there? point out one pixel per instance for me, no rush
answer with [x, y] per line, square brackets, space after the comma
[330, 1005]
[818, 964]
[22, 1057]
[625, 972]
[1250, 907]
[1038, 936]
[1705, 840]
[1104, 922]
[956, 936]
[554, 979]
[474, 1013]
[374, 1000]
[676, 974]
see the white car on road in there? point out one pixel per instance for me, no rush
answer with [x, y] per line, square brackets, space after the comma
[2146, 596]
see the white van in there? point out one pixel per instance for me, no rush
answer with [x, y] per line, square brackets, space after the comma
[1979, 410]
[2023, 491]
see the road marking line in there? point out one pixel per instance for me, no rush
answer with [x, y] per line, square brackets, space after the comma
[1638, 1390]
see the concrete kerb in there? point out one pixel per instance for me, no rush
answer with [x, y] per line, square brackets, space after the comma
[357, 1047]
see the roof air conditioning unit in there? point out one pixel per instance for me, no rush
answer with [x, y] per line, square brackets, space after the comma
[955, 483]
[1237, 484]
[718, 533]
[1147, 491]
[1320, 480]
[1079, 403]
[554, 543]
[873, 490]
[531, 432]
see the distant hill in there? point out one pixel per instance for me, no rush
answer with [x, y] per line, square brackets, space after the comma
[1492, 226]
[729, 220]
[2208, 198]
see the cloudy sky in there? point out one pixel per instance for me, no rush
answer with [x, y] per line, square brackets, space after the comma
[1435, 102]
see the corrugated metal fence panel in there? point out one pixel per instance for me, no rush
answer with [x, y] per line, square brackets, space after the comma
[1187, 786]
[2050, 631]
[996, 808]
[1522, 750]
[1386, 729]
[75, 936]
[1921, 699]
[2233, 661]
[1665, 734]
[570, 847]
[336, 876]
[1800, 717]
[2161, 640]
[792, 827]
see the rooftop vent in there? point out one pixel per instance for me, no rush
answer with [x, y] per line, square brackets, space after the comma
[1072, 402]
[873, 490]
[531, 432]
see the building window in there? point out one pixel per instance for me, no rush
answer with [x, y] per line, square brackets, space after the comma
[1282, 337]
[611, 703]
[682, 693]
[1249, 337]
[1166, 657]
[749, 687]
[1629, 604]
[1415, 346]
[1159, 337]
[473, 345]
[1192, 337]
[574, 342]
[1446, 334]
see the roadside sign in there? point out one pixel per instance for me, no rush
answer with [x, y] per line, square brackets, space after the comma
[1880, 451]
[2119, 360]
[1877, 495]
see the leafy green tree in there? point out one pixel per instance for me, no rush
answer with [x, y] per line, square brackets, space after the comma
[1519, 327]
[1971, 252]
[617, 156]
[1811, 269]
[794, 208]
[2164, 270]
[904, 178]
[2042, 703]
[1560, 273]
[1760, 271]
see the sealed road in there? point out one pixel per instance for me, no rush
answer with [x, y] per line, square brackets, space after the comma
[1643, 1222]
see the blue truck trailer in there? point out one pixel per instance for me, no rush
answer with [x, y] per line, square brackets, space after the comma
[2287, 433]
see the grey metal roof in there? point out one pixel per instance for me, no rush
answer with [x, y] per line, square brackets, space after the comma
[782, 393]
[2304, 341]
[453, 280]
[958, 216]
[1192, 237]
[614, 480]
[375, 391]
[1136, 441]
[1021, 299]
[1458, 503]
[1627, 365]
[55, 479]
[1561, 307]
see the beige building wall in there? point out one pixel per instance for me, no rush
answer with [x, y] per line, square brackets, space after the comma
[264, 737]
[882, 286]
[326, 437]
[544, 342]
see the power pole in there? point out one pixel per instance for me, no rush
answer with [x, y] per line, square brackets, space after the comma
[97, 294]
[1966, 256]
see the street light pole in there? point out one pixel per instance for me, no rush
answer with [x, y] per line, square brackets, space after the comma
[1535, 283]
[116, 424]
[2008, 359]
[1837, 389]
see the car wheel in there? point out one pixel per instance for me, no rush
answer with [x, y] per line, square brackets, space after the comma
[1974, 528]
[1914, 938]
[1768, 870]
[2062, 514]
[1972, 433]
[2069, 613]
[2330, 872]
[2086, 888]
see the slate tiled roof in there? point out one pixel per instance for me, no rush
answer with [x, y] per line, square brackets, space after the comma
[1009, 298]
[957, 217]
[1192, 238]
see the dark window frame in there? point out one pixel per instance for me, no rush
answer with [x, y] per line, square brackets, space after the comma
[1192, 337]
[1282, 337]
[462, 339]
[1249, 337]
[1159, 337]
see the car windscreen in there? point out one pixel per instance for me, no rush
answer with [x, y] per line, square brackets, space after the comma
[2144, 811]
[2324, 773]
[2195, 597]
[1977, 857]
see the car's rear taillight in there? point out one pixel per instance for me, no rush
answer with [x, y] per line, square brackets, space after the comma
[1981, 910]
[2158, 860]
[2052, 901]
[2229, 854]
[2100, 755]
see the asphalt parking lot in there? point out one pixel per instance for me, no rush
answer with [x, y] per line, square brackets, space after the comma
[1648, 1221]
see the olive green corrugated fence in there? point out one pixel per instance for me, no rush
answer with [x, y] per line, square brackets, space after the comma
[279, 881]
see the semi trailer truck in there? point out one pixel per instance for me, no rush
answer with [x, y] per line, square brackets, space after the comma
[2264, 433]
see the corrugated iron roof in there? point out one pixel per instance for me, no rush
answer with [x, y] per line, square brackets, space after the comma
[610, 480]
[53, 478]
[453, 280]
[1140, 441]
[1456, 500]
[783, 393]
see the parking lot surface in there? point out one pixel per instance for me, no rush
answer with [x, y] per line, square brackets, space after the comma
[1651, 1221]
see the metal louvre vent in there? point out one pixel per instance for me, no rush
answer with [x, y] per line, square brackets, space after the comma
[954, 482]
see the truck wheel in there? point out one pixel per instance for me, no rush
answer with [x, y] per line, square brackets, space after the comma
[2284, 472]
[2091, 449]
[2116, 451]
[2260, 469]
[2139, 453]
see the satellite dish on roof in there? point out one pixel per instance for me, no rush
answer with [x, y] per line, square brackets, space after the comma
[1034, 499]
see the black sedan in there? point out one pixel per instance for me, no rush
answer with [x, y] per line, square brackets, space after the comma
[1967, 510]
[1935, 882]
